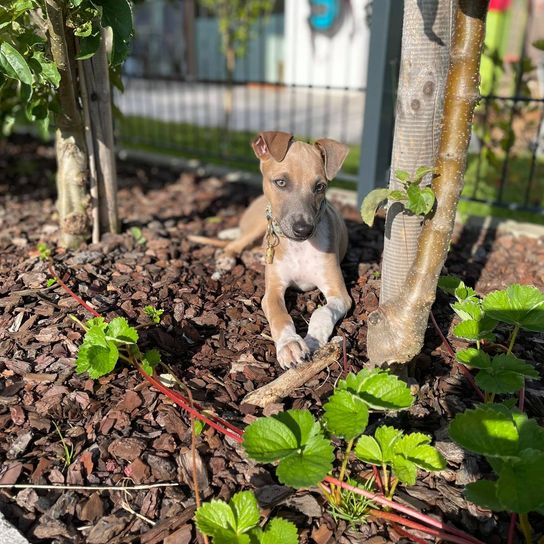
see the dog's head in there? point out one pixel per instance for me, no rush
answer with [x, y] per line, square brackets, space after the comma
[295, 178]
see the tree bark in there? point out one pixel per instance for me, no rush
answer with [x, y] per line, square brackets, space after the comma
[73, 200]
[396, 330]
[96, 96]
[426, 37]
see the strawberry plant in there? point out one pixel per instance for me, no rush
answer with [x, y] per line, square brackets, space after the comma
[237, 522]
[416, 199]
[513, 445]
[106, 343]
[520, 306]
[154, 314]
[304, 451]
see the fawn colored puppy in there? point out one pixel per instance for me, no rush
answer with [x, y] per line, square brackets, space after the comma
[305, 237]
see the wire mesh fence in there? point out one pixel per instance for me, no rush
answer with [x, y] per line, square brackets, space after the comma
[176, 98]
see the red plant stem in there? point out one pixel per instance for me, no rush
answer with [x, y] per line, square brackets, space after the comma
[236, 435]
[413, 525]
[377, 478]
[404, 509]
[462, 368]
[512, 528]
[182, 403]
[408, 535]
[521, 394]
[70, 292]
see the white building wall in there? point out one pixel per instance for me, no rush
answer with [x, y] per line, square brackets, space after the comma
[338, 57]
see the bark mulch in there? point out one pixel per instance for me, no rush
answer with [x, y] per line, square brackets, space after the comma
[216, 338]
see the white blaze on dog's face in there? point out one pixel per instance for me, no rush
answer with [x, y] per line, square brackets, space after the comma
[295, 178]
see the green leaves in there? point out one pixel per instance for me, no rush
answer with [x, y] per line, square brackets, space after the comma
[294, 438]
[417, 200]
[514, 446]
[13, 64]
[495, 431]
[346, 415]
[153, 314]
[117, 14]
[404, 453]
[371, 203]
[99, 352]
[504, 373]
[420, 199]
[379, 389]
[520, 305]
[237, 522]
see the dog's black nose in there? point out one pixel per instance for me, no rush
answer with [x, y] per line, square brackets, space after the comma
[302, 229]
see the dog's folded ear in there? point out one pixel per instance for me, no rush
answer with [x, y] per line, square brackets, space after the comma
[272, 144]
[334, 153]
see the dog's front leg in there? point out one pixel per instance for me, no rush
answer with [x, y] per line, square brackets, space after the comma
[325, 318]
[290, 347]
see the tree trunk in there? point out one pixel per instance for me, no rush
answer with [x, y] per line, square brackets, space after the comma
[396, 330]
[73, 200]
[426, 37]
[96, 98]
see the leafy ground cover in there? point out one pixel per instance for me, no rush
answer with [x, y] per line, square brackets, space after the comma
[59, 427]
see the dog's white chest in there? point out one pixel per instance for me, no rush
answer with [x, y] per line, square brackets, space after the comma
[302, 264]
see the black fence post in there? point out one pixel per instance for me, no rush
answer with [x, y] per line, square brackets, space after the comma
[381, 92]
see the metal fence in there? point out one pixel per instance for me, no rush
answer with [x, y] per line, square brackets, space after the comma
[181, 107]
[175, 92]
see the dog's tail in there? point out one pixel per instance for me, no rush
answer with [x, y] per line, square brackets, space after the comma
[208, 241]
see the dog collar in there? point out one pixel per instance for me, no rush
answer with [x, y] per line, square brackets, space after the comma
[272, 221]
[273, 233]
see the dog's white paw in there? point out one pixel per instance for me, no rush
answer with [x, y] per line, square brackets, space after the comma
[292, 351]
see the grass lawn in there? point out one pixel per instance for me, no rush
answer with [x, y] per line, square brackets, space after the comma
[214, 146]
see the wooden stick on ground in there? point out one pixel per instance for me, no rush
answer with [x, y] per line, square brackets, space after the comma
[294, 377]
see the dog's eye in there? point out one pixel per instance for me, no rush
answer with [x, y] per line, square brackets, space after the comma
[320, 188]
[280, 182]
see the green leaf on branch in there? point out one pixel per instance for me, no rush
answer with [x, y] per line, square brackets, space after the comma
[97, 355]
[379, 389]
[421, 172]
[402, 176]
[468, 309]
[476, 330]
[371, 203]
[449, 284]
[346, 415]
[117, 14]
[119, 330]
[521, 305]
[505, 374]
[474, 357]
[488, 430]
[539, 44]
[46, 69]
[295, 439]
[13, 64]
[520, 487]
[420, 199]
[405, 453]
[88, 46]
